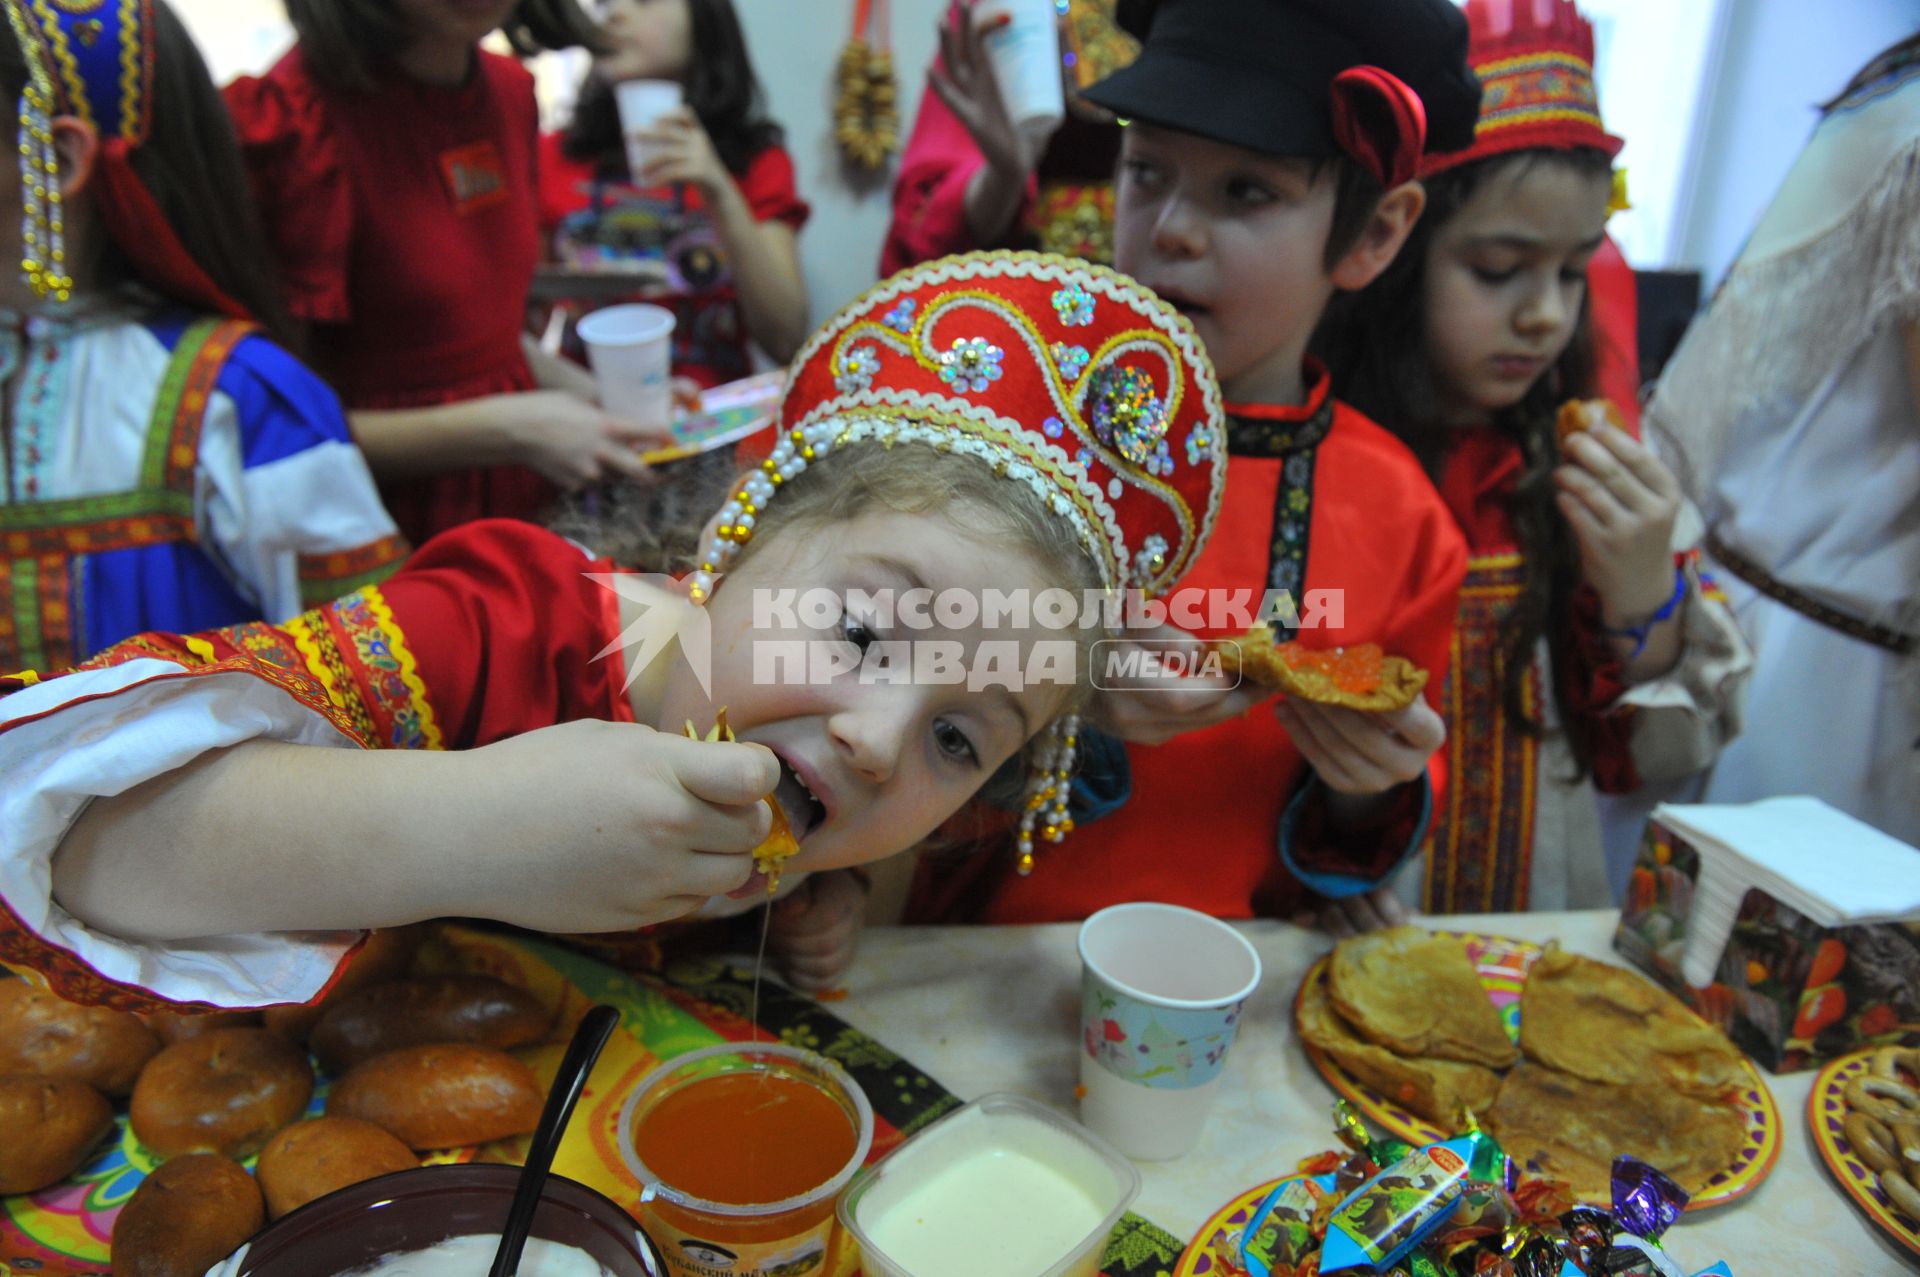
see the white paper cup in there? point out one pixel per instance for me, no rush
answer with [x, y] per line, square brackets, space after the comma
[1025, 55]
[642, 103]
[1162, 990]
[631, 350]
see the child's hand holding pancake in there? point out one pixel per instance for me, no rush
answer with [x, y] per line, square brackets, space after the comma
[620, 826]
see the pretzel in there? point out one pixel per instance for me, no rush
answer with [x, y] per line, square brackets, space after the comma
[1901, 1192]
[1863, 1096]
[1871, 1142]
[1888, 1062]
[1907, 1136]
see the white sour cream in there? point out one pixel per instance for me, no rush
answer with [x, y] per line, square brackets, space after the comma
[1007, 1196]
[473, 1254]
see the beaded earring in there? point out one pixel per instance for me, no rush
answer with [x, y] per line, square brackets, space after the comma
[43, 248]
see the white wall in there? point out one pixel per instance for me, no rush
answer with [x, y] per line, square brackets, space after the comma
[795, 46]
[1779, 60]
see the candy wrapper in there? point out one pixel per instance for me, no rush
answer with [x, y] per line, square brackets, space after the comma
[1459, 1208]
[1387, 1215]
[1287, 1225]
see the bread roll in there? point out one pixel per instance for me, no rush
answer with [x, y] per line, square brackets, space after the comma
[313, 1158]
[441, 1096]
[422, 1010]
[186, 1217]
[384, 955]
[226, 1092]
[43, 1033]
[48, 1127]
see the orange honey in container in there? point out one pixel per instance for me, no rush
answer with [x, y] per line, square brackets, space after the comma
[742, 1151]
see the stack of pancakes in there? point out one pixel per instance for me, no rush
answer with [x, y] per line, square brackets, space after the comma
[1607, 1063]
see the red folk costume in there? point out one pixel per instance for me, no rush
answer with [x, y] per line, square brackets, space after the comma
[595, 222]
[1068, 207]
[405, 224]
[1229, 819]
[1318, 499]
[1071, 381]
[1515, 828]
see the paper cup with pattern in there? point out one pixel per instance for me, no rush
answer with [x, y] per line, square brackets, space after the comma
[1161, 994]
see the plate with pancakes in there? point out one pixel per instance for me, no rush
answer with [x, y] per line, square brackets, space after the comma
[1565, 1060]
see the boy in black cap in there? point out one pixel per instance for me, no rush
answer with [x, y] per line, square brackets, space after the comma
[1269, 161]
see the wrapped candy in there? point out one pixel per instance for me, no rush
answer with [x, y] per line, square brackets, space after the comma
[1281, 1233]
[1389, 1214]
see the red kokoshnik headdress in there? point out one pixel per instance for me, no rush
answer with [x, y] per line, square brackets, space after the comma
[1535, 63]
[1063, 376]
[94, 60]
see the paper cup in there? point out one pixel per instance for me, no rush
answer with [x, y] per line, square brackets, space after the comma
[1025, 55]
[631, 350]
[642, 103]
[1162, 989]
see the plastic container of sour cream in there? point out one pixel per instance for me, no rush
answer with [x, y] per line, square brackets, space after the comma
[1002, 1185]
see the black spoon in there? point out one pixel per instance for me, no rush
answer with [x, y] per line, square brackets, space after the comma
[595, 1027]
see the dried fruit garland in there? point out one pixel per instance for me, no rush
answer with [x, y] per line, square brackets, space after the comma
[866, 116]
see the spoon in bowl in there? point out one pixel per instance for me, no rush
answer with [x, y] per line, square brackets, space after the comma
[588, 1040]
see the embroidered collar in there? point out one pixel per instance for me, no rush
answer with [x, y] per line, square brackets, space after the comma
[1274, 430]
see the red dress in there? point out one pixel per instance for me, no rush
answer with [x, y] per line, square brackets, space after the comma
[1318, 498]
[490, 631]
[405, 226]
[1068, 207]
[593, 222]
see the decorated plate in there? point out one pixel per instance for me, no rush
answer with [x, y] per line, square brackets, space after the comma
[1215, 1249]
[1503, 964]
[727, 415]
[1826, 1111]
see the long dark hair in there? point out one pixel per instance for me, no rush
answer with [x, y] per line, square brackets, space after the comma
[191, 166]
[721, 89]
[347, 40]
[1374, 342]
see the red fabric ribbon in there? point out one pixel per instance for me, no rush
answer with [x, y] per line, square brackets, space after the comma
[143, 233]
[1380, 122]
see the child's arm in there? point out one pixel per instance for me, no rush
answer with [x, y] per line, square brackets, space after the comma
[581, 827]
[766, 255]
[1622, 504]
[567, 439]
[1664, 685]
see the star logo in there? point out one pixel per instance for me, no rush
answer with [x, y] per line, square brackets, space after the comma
[664, 615]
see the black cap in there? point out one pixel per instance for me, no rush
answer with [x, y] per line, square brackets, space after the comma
[1259, 73]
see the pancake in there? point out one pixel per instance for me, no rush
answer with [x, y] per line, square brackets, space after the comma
[779, 846]
[1607, 1024]
[1416, 994]
[1435, 1089]
[1359, 676]
[1571, 1129]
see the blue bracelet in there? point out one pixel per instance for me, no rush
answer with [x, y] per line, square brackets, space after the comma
[1640, 632]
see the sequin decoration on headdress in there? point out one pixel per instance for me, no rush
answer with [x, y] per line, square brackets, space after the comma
[1061, 375]
[1535, 63]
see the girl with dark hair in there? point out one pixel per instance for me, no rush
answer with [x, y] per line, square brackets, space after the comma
[166, 464]
[1588, 655]
[395, 163]
[717, 199]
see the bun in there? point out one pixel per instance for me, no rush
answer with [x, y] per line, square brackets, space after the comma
[43, 1033]
[441, 1096]
[226, 1091]
[186, 1217]
[423, 1010]
[313, 1158]
[48, 1127]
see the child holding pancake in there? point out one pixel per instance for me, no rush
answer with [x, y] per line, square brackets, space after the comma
[214, 819]
[1591, 656]
[1270, 161]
